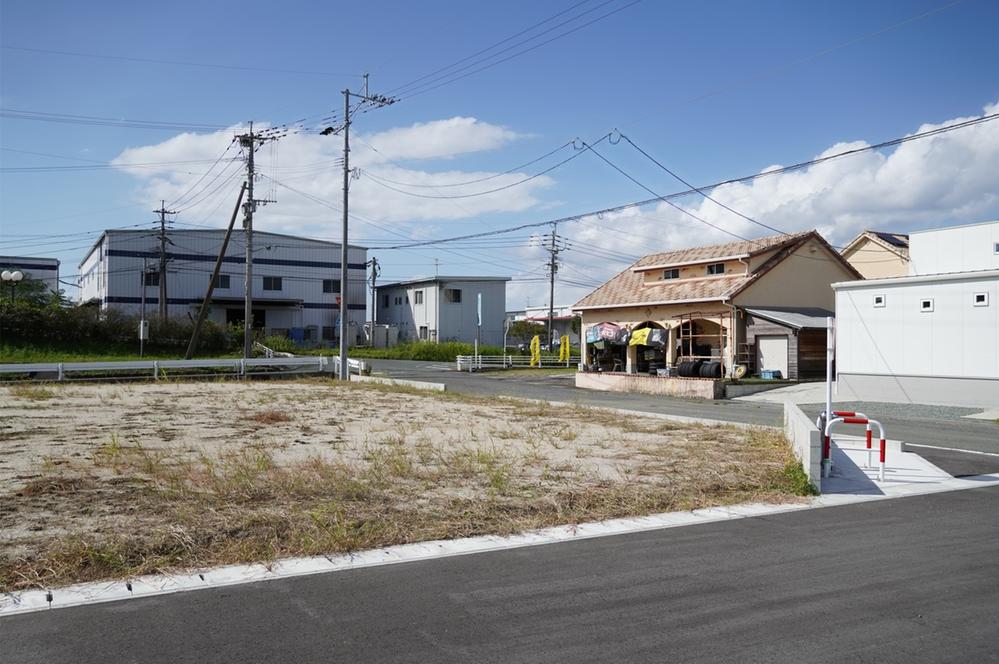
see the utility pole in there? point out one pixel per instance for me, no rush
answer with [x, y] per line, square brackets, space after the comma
[553, 250]
[375, 271]
[163, 212]
[203, 311]
[377, 101]
[249, 141]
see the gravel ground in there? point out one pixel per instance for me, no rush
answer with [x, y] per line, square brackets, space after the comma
[906, 410]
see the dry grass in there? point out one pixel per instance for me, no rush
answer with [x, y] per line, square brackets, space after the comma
[269, 417]
[31, 392]
[134, 504]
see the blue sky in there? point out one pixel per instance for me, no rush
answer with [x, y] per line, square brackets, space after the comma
[712, 90]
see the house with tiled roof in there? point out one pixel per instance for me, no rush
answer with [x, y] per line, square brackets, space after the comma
[706, 311]
[879, 255]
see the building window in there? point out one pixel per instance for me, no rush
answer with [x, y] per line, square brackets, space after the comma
[879, 301]
[995, 248]
[452, 295]
[418, 297]
[423, 333]
[222, 281]
[926, 304]
[272, 283]
[716, 268]
[981, 299]
[385, 300]
[673, 273]
[152, 279]
[331, 285]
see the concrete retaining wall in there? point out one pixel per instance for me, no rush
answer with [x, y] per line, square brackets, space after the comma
[701, 388]
[806, 441]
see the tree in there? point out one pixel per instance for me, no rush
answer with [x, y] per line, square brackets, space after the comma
[32, 291]
[526, 329]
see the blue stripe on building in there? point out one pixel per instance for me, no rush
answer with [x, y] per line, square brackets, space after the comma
[31, 266]
[235, 259]
[122, 299]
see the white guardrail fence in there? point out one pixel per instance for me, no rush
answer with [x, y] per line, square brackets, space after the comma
[60, 371]
[476, 362]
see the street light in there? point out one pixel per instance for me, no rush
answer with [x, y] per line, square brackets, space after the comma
[12, 277]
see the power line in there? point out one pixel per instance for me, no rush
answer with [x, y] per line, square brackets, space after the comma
[65, 118]
[687, 192]
[175, 62]
[700, 191]
[377, 180]
[477, 180]
[490, 65]
[488, 48]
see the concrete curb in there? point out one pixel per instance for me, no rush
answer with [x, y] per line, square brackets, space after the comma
[417, 384]
[162, 584]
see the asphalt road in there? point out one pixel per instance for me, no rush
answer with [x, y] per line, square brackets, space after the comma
[906, 580]
[977, 435]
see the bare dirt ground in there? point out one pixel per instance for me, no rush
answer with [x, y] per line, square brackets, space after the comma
[111, 480]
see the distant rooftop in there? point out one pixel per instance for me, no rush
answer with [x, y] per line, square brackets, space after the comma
[427, 280]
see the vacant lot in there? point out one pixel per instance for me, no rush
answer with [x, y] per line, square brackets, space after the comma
[102, 481]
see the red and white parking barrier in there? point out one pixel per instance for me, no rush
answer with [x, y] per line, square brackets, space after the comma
[852, 417]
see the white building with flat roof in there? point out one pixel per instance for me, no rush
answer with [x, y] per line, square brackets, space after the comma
[444, 308]
[45, 270]
[296, 280]
[931, 337]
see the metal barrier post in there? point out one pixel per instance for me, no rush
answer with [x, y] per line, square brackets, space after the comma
[60, 373]
[156, 370]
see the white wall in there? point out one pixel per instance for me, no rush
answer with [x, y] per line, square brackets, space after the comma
[458, 321]
[955, 249]
[301, 263]
[45, 270]
[956, 339]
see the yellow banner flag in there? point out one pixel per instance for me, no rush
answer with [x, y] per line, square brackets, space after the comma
[536, 351]
[564, 349]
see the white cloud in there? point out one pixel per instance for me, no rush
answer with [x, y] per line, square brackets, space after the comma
[945, 179]
[309, 164]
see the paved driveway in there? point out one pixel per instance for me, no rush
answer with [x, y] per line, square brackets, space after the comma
[949, 432]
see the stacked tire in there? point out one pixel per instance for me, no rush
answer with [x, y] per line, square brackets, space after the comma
[689, 368]
[711, 369]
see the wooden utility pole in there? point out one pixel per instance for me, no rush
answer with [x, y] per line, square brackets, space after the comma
[193, 345]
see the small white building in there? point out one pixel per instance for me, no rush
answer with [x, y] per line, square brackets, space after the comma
[45, 270]
[444, 308]
[562, 319]
[296, 280]
[932, 336]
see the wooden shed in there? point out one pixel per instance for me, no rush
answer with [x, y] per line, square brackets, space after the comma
[791, 340]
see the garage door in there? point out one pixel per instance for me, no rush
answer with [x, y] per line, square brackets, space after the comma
[771, 353]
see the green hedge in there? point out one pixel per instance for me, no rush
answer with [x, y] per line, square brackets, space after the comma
[28, 325]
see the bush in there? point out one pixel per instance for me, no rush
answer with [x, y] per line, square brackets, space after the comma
[445, 351]
[51, 326]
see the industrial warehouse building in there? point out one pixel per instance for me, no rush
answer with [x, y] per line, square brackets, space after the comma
[932, 336]
[45, 270]
[296, 280]
[445, 308]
